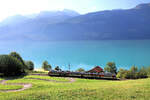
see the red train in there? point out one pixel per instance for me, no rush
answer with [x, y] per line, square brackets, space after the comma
[81, 74]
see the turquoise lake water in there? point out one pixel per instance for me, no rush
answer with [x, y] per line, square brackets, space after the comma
[84, 54]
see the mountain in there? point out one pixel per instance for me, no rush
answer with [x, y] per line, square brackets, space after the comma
[46, 17]
[68, 25]
[115, 24]
[13, 20]
[30, 27]
[50, 17]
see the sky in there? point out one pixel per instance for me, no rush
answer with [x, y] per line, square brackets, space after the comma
[26, 7]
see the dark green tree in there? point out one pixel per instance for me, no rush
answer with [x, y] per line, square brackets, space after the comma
[111, 67]
[46, 66]
[30, 65]
[17, 55]
[10, 65]
[57, 68]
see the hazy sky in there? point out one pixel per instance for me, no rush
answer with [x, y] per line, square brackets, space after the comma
[13, 7]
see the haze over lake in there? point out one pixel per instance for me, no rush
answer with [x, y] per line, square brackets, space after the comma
[85, 54]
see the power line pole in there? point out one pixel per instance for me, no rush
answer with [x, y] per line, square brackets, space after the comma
[69, 66]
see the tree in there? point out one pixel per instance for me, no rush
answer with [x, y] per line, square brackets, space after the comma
[17, 55]
[127, 75]
[133, 72]
[121, 73]
[57, 68]
[10, 65]
[30, 65]
[80, 70]
[46, 66]
[148, 70]
[142, 73]
[111, 67]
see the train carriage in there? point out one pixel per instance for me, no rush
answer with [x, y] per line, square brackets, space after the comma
[96, 72]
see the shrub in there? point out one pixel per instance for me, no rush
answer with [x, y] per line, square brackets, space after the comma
[133, 73]
[121, 73]
[111, 67]
[10, 65]
[143, 73]
[46, 66]
[30, 65]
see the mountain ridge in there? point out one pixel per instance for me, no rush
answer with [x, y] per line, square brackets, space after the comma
[104, 25]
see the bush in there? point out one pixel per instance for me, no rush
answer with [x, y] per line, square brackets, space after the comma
[133, 73]
[143, 72]
[30, 65]
[46, 66]
[10, 65]
[122, 73]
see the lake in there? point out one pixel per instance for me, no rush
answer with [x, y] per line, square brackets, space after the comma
[84, 54]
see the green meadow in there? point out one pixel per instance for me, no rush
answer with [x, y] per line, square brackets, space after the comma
[80, 89]
[9, 87]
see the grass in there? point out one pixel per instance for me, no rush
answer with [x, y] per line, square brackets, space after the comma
[82, 89]
[9, 87]
[48, 78]
[39, 71]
